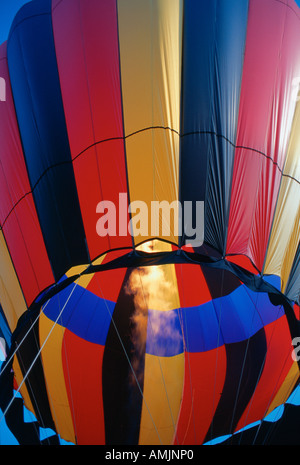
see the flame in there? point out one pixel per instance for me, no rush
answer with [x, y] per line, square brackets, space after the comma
[153, 288]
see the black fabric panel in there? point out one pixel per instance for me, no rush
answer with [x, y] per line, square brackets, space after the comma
[25, 433]
[293, 285]
[245, 361]
[31, 366]
[38, 102]
[220, 282]
[284, 432]
[122, 397]
[212, 62]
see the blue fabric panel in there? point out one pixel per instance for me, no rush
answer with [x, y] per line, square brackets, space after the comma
[274, 280]
[201, 328]
[5, 331]
[228, 319]
[85, 314]
[6, 436]
[164, 333]
[213, 49]
[293, 285]
[225, 320]
[37, 96]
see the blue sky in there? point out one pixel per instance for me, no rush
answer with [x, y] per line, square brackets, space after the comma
[8, 9]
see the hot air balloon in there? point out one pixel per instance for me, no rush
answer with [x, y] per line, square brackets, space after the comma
[115, 332]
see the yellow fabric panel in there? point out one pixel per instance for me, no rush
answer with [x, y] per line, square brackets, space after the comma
[150, 54]
[155, 287]
[99, 260]
[292, 247]
[11, 295]
[76, 270]
[163, 384]
[286, 388]
[285, 234]
[23, 389]
[85, 279]
[54, 375]
[150, 57]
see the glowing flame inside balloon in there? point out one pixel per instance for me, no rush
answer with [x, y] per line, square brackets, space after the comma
[155, 296]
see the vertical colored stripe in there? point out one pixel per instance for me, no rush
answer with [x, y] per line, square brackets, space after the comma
[86, 43]
[285, 235]
[150, 57]
[122, 398]
[11, 295]
[51, 339]
[203, 383]
[37, 96]
[287, 385]
[213, 51]
[266, 110]
[163, 384]
[277, 363]
[240, 382]
[293, 285]
[82, 362]
[189, 294]
[28, 353]
[18, 216]
[156, 287]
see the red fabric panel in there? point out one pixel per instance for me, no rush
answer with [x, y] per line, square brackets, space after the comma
[203, 383]
[86, 42]
[242, 261]
[107, 284]
[265, 116]
[82, 363]
[18, 215]
[277, 365]
[192, 286]
[98, 177]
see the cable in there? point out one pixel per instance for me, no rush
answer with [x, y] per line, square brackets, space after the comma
[7, 362]
[37, 355]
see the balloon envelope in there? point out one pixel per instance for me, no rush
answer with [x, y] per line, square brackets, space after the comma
[121, 331]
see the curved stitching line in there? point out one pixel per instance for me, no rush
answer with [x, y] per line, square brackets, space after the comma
[137, 132]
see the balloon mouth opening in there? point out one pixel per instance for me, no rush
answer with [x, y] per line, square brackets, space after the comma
[156, 252]
[151, 246]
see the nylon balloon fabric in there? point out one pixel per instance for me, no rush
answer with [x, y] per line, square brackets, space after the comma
[115, 330]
